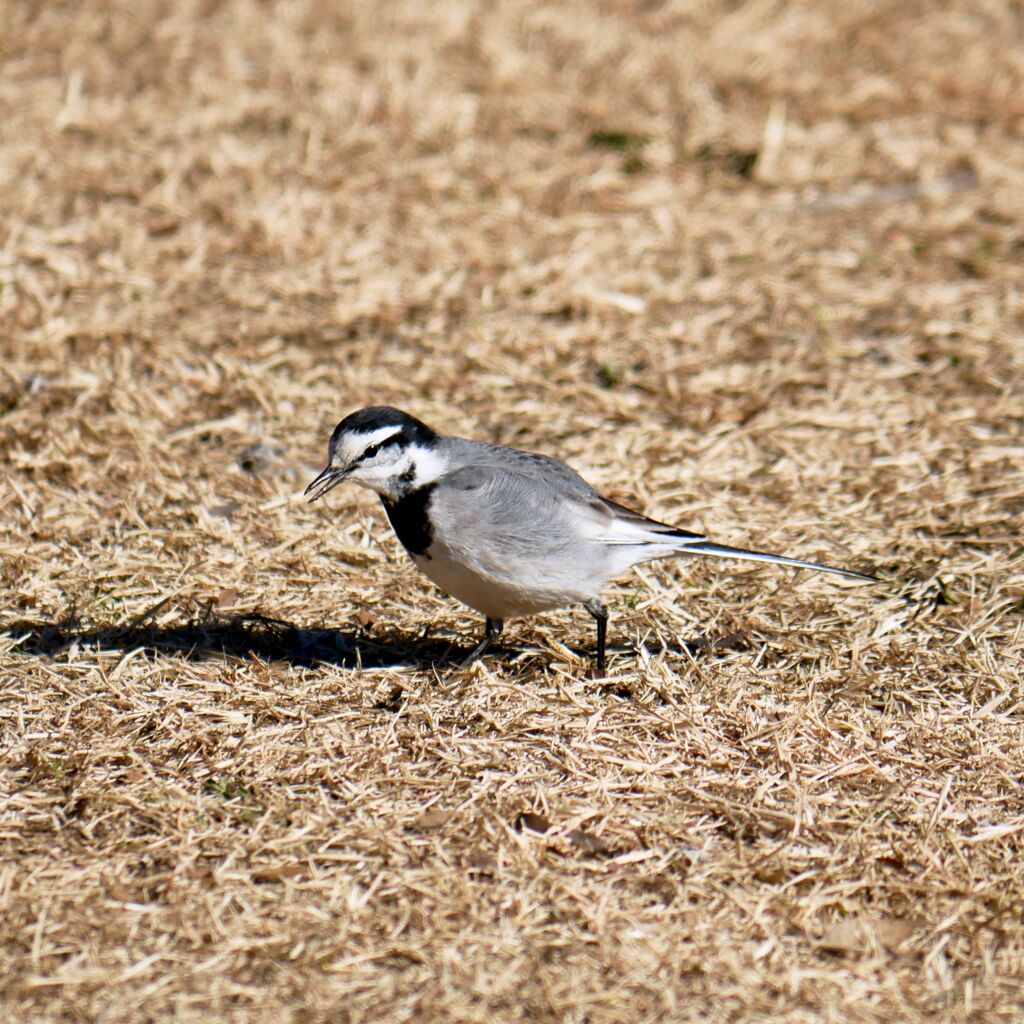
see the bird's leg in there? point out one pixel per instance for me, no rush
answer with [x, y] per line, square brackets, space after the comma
[600, 613]
[492, 630]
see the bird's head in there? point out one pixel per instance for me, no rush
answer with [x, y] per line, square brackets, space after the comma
[381, 448]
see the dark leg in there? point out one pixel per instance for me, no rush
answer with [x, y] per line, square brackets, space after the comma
[600, 614]
[491, 632]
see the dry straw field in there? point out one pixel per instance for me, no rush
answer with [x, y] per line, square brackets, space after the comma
[751, 266]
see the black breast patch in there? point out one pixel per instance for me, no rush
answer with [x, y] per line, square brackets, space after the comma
[409, 518]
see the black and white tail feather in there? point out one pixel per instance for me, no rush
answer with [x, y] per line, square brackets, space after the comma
[708, 547]
[655, 534]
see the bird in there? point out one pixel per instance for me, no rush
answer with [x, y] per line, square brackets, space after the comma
[507, 532]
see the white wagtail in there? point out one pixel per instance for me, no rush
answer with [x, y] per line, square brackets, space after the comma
[504, 531]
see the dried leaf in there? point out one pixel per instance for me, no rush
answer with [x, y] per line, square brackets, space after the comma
[480, 862]
[434, 819]
[587, 841]
[225, 510]
[533, 823]
[844, 936]
[257, 457]
[633, 304]
[633, 857]
[893, 934]
[274, 874]
[859, 934]
[772, 873]
[162, 224]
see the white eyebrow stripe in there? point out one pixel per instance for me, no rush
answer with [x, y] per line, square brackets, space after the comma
[378, 436]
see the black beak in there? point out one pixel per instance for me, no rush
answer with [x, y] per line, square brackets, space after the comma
[327, 480]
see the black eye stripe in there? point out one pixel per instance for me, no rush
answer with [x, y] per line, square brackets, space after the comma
[373, 449]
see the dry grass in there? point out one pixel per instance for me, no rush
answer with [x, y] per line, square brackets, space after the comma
[752, 266]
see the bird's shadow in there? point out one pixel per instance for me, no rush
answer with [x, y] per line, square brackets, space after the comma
[275, 640]
[238, 636]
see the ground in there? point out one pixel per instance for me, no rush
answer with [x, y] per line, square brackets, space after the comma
[752, 267]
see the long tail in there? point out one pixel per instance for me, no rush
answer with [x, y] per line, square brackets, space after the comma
[706, 547]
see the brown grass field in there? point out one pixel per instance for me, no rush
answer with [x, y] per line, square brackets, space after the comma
[751, 266]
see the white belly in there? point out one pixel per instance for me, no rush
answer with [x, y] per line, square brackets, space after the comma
[510, 592]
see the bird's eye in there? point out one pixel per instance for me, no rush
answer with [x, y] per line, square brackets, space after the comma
[371, 451]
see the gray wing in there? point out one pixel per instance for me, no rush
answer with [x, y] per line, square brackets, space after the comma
[535, 504]
[511, 512]
[616, 523]
[542, 469]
